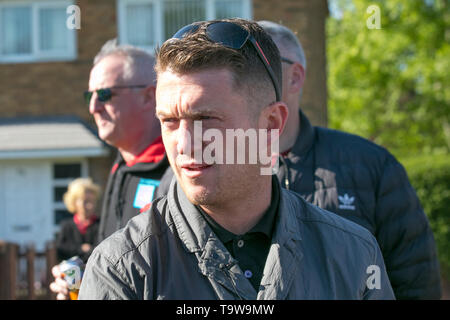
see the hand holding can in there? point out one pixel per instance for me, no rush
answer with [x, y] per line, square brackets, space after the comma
[72, 271]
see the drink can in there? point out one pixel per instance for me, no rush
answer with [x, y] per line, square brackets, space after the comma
[72, 272]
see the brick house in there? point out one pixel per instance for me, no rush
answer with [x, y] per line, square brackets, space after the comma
[47, 136]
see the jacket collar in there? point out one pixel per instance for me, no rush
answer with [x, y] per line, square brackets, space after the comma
[195, 231]
[153, 153]
[151, 158]
[287, 225]
[305, 139]
[283, 260]
[216, 262]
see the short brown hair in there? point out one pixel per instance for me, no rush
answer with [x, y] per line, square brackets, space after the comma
[195, 52]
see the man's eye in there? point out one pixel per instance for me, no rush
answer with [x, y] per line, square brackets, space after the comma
[201, 118]
[169, 122]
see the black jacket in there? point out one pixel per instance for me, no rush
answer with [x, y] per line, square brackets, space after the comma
[363, 182]
[69, 240]
[128, 191]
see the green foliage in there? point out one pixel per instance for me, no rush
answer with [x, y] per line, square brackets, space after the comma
[391, 85]
[430, 176]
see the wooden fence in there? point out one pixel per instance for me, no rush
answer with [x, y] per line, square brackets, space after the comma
[10, 257]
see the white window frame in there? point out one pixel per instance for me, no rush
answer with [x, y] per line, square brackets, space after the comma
[122, 20]
[59, 205]
[36, 54]
[158, 23]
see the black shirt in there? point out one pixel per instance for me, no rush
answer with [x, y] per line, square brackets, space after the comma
[250, 249]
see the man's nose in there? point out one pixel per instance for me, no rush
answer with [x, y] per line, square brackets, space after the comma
[95, 105]
[184, 138]
[189, 138]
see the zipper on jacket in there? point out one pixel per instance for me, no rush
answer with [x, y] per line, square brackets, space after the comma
[225, 270]
[286, 175]
[119, 213]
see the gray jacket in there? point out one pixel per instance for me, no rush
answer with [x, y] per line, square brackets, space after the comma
[363, 182]
[170, 252]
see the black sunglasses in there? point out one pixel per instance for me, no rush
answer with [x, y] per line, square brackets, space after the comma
[231, 36]
[106, 94]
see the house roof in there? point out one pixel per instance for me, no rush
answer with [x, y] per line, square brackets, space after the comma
[48, 137]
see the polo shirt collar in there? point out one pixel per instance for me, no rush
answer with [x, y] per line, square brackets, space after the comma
[265, 224]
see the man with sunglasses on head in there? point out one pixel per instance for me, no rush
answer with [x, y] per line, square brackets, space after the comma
[356, 179]
[121, 98]
[228, 230]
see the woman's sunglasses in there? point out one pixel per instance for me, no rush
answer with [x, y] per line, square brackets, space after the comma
[231, 36]
[105, 94]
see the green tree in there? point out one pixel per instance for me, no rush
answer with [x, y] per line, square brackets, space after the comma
[391, 85]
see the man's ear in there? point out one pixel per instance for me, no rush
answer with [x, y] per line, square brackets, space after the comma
[275, 116]
[296, 78]
[273, 119]
[149, 94]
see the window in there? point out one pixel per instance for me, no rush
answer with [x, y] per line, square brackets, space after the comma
[67, 171]
[35, 31]
[148, 23]
[63, 174]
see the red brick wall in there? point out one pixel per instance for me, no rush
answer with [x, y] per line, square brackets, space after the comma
[55, 88]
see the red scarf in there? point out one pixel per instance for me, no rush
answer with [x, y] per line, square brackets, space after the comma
[83, 225]
[154, 153]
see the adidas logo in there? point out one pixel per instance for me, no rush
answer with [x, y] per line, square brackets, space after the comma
[346, 202]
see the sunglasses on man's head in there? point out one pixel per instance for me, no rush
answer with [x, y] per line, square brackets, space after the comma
[232, 36]
[288, 61]
[105, 94]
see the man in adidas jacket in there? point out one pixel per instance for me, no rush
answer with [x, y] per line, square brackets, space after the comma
[357, 180]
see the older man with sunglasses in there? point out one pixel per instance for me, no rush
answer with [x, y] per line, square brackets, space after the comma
[122, 101]
[121, 98]
[226, 230]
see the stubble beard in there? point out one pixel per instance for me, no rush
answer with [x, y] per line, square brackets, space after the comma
[224, 189]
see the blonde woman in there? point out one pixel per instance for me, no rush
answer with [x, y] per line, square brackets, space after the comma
[78, 235]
